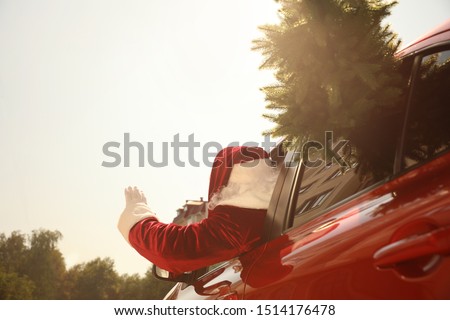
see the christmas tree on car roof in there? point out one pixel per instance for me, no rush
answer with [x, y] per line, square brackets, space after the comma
[336, 71]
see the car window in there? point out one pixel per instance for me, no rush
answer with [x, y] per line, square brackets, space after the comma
[323, 187]
[428, 128]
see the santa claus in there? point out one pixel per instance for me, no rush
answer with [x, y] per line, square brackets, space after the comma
[241, 184]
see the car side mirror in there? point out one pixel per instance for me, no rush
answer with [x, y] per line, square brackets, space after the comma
[164, 275]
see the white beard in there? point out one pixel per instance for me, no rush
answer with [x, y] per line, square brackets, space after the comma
[250, 185]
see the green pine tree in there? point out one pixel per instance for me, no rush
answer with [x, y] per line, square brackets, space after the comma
[336, 71]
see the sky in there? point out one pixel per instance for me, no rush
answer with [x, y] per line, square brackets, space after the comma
[76, 75]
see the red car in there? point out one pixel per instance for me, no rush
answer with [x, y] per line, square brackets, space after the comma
[343, 234]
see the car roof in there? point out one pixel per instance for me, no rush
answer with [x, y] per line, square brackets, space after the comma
[439, 34]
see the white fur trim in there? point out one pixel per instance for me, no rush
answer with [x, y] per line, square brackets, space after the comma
[250, 185]
[132, 215]
[250, 171]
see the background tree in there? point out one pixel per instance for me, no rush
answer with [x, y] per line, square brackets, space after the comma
[45, 264]
[95, 280]
[336, 71]
[131, 287]
[145, 288]
[154, 289]
[32, 267]
[13, 252]
[69, 289]
[13, 284]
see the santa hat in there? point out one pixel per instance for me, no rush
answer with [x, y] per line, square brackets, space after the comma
[241, 176]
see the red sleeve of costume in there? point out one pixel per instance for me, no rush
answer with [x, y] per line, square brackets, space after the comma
[226, 233]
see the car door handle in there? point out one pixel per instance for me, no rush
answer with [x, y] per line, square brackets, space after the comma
[436, 242]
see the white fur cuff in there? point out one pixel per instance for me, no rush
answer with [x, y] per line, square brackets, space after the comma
[132, 215]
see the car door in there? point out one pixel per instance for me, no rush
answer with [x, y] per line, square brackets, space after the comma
[342, 237]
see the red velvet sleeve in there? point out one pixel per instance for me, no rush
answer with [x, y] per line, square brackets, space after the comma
[226, 233]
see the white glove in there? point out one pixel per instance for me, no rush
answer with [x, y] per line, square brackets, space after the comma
[134, 196]
[136, 209]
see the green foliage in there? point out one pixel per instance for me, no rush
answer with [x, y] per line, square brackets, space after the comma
[13, 252]
[146, 288]
[15, 287]
[155, 289]
[96, 279]
[131, 287]
[45, 264]
[32, 264]
[32, 267]
[335, 69]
